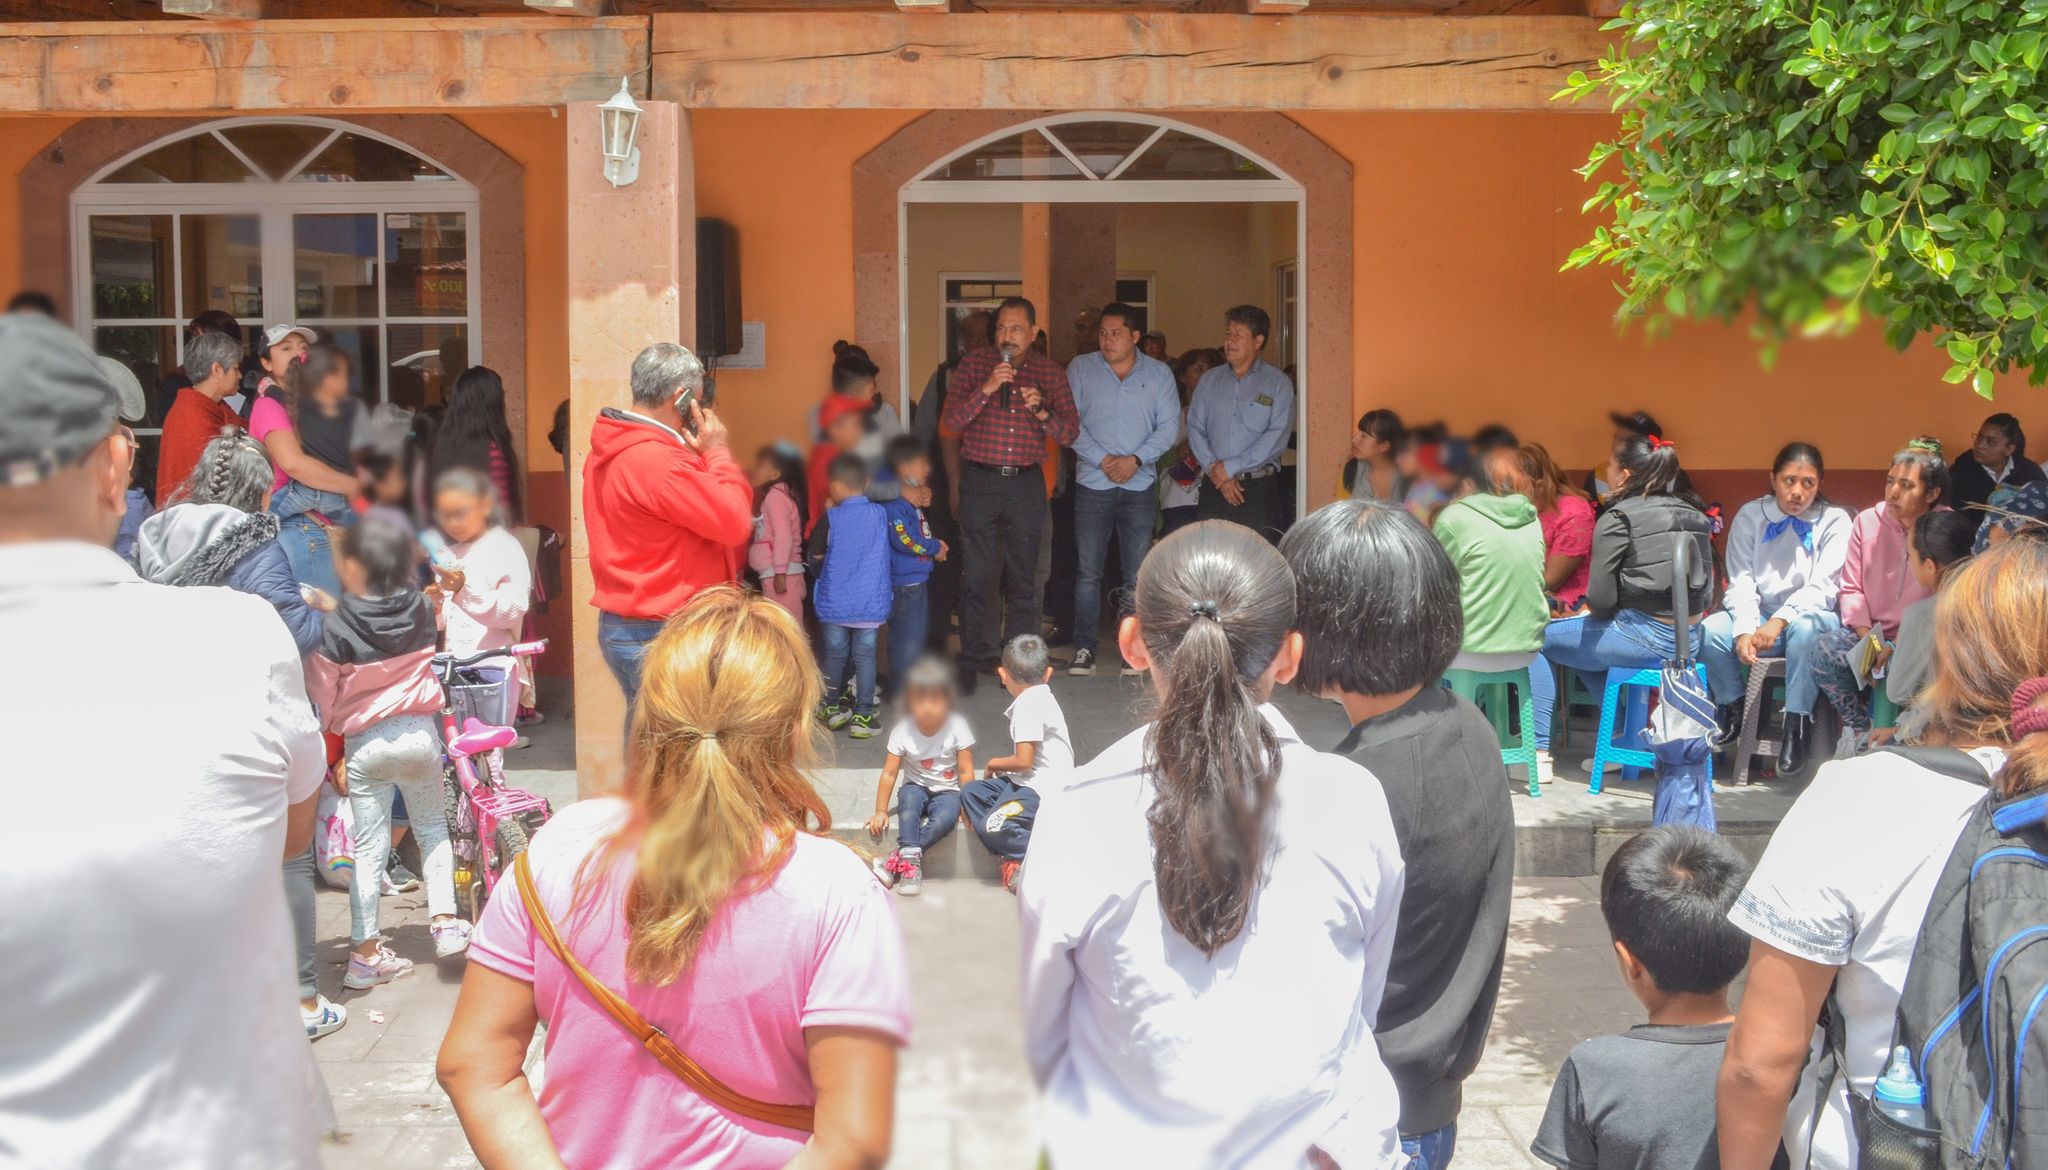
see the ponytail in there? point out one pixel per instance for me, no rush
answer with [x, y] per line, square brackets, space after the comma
[1215, 604]
[1653, 470]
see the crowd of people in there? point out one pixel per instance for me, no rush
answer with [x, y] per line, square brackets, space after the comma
[1241, 948]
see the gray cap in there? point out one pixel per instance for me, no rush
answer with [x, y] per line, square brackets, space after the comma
[56, 403]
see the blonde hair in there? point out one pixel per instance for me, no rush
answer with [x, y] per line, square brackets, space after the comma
[1991, 639]
[720, 739]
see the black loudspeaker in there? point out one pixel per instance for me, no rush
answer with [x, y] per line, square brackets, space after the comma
[718, 289]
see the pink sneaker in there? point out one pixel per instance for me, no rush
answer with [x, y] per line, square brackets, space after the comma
[381, 967]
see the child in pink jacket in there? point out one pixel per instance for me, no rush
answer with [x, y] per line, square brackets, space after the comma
[776, 555]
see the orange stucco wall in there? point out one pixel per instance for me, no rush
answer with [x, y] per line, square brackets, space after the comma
[1462, 220]
[784, 179]
[20, 138]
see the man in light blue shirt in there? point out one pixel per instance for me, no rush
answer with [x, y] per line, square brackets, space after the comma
[1130, 416]
[1238, 425]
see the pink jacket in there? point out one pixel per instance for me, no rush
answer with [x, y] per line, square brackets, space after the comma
[359, 696]
[1877, 578]
[778, 539]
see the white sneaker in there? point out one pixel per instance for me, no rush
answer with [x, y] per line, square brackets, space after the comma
[1852, 743]
[381, 967]
[451, 938]
[325, 1018]
[1545, 768]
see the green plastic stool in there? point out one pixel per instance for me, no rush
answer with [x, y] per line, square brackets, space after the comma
[1883, 712]
[1490, 691]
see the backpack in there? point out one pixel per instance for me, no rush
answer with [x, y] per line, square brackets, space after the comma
[1974, 1011]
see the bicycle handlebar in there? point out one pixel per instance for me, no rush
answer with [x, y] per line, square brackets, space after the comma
[522, 650]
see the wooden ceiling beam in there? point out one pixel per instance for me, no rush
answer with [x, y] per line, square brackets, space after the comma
[215, 9]
[312, 66]
[1118, 60]
[583, 8]
[1275, 7]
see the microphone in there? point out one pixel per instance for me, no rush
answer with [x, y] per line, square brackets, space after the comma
[1009, 355]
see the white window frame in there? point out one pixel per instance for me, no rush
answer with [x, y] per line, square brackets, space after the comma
[1151, 282]
[947, 304]
[274, 205]
[1281, 188]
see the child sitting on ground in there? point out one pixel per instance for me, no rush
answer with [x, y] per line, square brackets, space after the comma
[372, 679]
[1665, 894]
[931, 748]
[912, 552]
[1003, 804]
[850, 547]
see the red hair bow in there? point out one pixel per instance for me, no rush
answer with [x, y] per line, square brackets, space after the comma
[1659, 442]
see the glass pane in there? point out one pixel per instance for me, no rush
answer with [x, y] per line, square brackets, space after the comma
[1023, 156]
[1102, 145]
[198, 159]
[149, 351]
[365, 351]
[427, 264]
[131, 266]
[223, 265]
[1180, 155]
[276, 146]
[334, 265]
[424, 362]
[352, 158]
[1133, 292]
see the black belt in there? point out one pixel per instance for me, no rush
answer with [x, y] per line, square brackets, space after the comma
[999, 469]
[1259, 472]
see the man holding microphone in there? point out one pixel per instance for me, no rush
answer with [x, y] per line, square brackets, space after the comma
[1004, 402]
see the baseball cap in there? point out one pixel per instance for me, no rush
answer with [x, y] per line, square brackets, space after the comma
[838, 406]
[277, 333]
[56, 402]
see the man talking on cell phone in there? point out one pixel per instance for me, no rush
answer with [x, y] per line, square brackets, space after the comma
[666, 508]
[1004, 402]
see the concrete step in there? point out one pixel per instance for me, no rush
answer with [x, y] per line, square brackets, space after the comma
[960, 856]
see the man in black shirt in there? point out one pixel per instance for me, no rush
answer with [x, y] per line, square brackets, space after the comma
[1378, 605]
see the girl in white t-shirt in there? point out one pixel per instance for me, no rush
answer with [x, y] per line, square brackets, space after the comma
[1209, 905]
[482, 583]
[931, 748]
[1836, 904]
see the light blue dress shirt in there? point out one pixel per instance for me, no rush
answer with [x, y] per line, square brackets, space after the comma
[1138, 415]
[1242, 421]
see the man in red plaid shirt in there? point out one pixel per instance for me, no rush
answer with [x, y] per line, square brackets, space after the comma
[1004, 402]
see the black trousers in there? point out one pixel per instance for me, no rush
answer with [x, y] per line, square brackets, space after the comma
[1001, 517]
[1262, 510]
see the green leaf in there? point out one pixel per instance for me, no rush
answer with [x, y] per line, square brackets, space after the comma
[1983, 383]
[1897, 113]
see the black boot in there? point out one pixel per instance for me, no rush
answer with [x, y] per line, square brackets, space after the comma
[1792, 746]
[1728, 725]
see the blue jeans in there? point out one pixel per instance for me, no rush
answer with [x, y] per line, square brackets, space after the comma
[304, 539]
[841, 643]
[924, 817]
[1098, 514]
[907, 623]
[1593, 646]
[623, 642]
[1432, 1150]
[1724, 670]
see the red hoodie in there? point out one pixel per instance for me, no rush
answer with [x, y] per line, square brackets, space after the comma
[663, 521]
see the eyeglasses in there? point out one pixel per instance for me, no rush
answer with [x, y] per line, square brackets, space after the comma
[127, 437]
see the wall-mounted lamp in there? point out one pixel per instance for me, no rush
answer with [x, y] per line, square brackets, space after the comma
[619, 123]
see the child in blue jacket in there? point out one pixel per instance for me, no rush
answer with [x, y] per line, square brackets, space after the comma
[912, 551]
[854, 596]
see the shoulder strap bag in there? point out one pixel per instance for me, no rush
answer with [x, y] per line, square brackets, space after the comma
[656, 1041]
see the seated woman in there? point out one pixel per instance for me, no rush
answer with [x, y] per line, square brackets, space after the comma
[1629, 622]
[1373, 472]
[1878, 585]
[1492, 536]
[1784, 559]
[1566, 516]
[311, 426]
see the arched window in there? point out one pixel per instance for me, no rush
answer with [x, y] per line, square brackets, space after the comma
[303, 220]
[1101, 158]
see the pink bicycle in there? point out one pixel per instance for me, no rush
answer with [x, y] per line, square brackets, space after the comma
[489, 821]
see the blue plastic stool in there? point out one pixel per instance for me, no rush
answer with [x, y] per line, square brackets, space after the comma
[1490, 690]
[1631, 760]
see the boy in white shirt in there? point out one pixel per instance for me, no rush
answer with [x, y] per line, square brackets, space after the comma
[1003, 804]
[931, 749]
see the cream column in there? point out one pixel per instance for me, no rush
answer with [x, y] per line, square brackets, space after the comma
[632, 282]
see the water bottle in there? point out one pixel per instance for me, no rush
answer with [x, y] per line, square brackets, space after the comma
[1900, 1095]
[436, 549]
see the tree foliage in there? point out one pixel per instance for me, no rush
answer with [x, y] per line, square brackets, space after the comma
[1821, 161]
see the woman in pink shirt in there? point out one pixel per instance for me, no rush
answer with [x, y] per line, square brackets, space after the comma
[1878, 584]
[708, 898]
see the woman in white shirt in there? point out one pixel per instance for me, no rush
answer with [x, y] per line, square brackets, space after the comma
[1837, 901]
[1785, 554]
[1209, 906]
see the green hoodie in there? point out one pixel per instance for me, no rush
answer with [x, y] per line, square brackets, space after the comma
[1498, 547]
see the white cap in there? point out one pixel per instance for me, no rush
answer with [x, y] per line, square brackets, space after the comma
[277, 333]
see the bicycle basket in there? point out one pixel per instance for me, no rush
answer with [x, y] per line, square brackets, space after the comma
[482, 693]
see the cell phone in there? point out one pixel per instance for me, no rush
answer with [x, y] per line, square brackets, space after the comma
[683, 403]
[436, 549]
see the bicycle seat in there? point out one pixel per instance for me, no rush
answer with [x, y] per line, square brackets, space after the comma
[477, 737]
